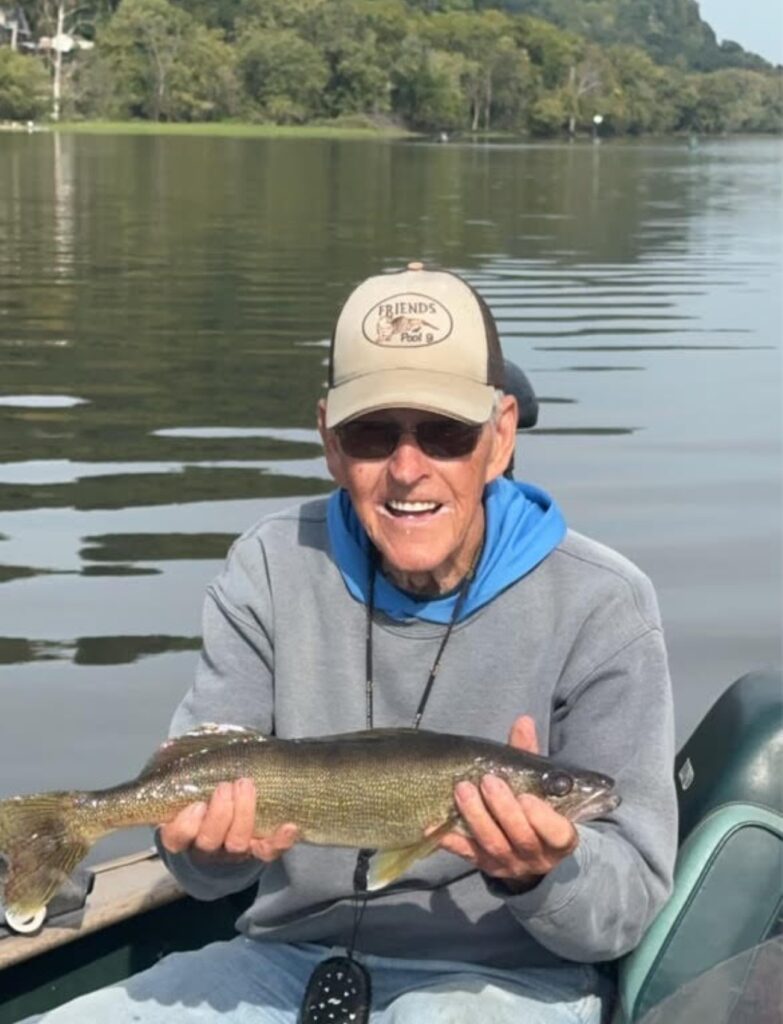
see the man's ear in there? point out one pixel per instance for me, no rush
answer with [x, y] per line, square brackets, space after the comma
[505, 437]
[332, 451]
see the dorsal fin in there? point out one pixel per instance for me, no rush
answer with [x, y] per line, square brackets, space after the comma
[208, 736]
[366, 735]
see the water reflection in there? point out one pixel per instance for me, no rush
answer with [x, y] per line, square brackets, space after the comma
[293, 434]
[650, 348]
[596, 369]
[40, 401]
[119, 570]
[93, 650]
[155, 547]
[18, 651]
[584, 431]
[123, 650]
[62, 471]
[63, 211]
[187, 484]
[21, 572]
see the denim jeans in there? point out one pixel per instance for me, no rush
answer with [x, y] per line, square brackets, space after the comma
[247, 982]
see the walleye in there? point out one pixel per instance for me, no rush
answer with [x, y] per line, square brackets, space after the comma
[389, 790]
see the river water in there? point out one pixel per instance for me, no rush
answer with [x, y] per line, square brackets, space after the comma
[165, 305]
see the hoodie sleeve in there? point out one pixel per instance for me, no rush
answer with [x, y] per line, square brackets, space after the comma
[233, 686]
[597, 903]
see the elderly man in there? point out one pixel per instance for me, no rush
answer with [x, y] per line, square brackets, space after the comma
[427, 588]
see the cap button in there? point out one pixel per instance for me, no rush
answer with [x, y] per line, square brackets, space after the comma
[416, 266]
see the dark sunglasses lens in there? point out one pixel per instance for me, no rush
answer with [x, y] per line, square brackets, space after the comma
[447, 439]
[368, 439]
[438, 439]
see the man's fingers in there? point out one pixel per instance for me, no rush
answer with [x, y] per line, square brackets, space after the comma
[269, 848]
[507, 811]
[483, 827]
[226, 825]
[178, 834]
[240, 831]
[553, 830]
[523, 735]
[217, 820]
[453, 842]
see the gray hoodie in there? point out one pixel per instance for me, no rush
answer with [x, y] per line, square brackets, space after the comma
[576, 643]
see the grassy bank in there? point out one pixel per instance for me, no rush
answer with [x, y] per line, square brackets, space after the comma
[336, 130]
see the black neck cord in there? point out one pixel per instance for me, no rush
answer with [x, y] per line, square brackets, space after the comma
[363, 859]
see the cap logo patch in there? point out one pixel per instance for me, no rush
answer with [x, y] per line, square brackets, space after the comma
[407, 320]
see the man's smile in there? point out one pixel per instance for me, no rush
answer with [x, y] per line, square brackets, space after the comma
[411, 509]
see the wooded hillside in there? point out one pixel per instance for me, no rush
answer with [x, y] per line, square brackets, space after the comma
[540, 67]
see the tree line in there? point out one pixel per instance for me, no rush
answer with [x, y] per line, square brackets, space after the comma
[428, 65]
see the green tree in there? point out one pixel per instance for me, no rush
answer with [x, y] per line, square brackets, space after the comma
[548, 115]
[204, 85]
[589, 89]
[485, 40]
[24, 86]
[143, 42]
[278, 14]
[165, 65]
[218, 14]
[428, 87]
[643, 102]
[514, 80]
[550, 49]
[737, 101]
[283, 75]
[359, 69]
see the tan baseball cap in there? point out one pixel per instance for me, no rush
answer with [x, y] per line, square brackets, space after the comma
[415, 339]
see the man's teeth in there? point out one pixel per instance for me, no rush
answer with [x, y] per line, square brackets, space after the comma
[412, 507]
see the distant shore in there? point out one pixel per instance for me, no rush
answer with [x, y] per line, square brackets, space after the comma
[337, 130]
[346, 130]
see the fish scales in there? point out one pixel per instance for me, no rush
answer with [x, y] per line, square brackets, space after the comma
[376, 792]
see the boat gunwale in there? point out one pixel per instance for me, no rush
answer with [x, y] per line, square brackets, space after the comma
[123, 888]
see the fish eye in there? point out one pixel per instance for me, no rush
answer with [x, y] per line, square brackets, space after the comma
[558, 784]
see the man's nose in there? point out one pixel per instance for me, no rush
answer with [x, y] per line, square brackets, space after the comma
[408, 462]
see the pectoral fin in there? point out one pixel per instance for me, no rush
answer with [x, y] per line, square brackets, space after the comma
[386, 866]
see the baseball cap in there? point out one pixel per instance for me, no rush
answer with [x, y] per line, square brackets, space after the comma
[417, 339]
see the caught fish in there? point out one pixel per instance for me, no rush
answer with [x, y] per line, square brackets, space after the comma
[389, 790]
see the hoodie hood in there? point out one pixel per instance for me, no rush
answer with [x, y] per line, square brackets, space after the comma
[522, 526]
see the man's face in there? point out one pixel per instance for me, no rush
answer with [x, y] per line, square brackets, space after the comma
[424, 514]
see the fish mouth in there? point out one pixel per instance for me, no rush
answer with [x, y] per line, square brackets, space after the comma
[595, 806]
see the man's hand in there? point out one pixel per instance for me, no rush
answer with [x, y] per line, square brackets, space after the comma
[517, 839]
[224, 827]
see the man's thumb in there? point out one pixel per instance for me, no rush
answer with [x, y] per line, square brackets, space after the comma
[523, 734]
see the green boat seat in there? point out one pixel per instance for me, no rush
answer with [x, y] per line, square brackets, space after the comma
[728, 893]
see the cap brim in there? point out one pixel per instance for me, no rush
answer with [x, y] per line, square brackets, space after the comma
[442, 393]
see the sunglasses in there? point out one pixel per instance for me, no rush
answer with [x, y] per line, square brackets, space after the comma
[438, 439]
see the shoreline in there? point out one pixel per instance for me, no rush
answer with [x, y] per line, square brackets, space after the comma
[227, 129]
[239, 130]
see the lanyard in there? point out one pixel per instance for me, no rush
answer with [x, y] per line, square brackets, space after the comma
[458, 606]
[363, 857]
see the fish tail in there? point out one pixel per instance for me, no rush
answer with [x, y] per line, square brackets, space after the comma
[40, 845]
